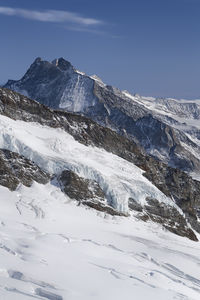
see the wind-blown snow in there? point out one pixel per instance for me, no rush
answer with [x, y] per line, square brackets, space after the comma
[52, 249]
[55, 150]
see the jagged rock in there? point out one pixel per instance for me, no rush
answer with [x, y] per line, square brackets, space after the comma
[134, 205]
[87, 192]
[179, 186]
[79, 188]
[50, 81]
[168, 216]
[104, 208]
[15, 169]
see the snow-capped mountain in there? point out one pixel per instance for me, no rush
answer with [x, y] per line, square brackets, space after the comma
[91, 204]
[86, 214]
[111, 171]
[167, 129]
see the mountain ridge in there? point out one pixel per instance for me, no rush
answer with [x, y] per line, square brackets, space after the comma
[167, 129]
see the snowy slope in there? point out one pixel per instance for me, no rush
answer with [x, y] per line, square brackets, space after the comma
[52, 249]
[55, 150]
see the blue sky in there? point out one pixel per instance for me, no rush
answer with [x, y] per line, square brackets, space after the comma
[150, 47]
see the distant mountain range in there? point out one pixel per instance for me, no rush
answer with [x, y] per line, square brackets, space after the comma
[166, 129]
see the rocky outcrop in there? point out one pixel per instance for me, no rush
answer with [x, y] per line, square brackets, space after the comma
[15, 169]
[170, 218]
[85, 191]
[53, 82]
[134, 205]
[79, 188]
[184, 190]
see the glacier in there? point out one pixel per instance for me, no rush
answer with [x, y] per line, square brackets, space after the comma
[54, 150]
[52, 247]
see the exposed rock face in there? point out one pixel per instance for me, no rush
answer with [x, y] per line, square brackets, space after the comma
[179, 186]
[79, 188]
[172, 182]
[15, 169]
[171, 219]
[161, 137]
[87, 192]
[165, 128]
[53, 83]
[134, 205]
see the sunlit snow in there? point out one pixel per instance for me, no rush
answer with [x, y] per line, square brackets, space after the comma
[51, 247]
[55, 150]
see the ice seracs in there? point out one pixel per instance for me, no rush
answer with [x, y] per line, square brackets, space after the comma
[55, 150]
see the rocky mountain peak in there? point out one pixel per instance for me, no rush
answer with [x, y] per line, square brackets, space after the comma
[167, 129]
[63, 64]
[37, 60]
[46, 70]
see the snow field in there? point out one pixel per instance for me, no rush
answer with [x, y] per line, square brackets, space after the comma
[55, 150]
[52, 249]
